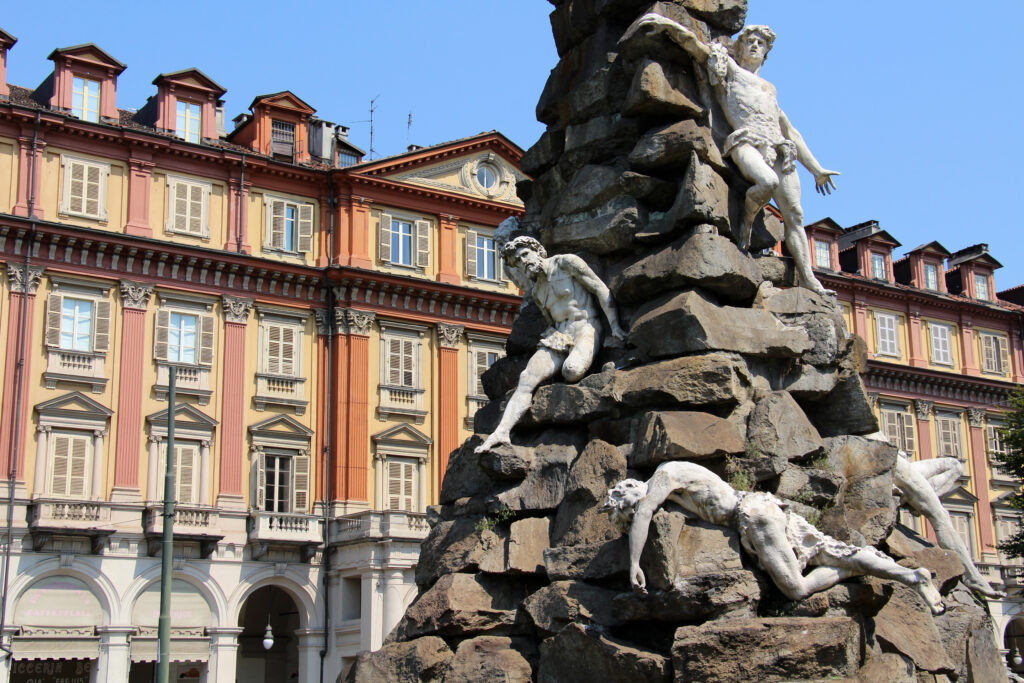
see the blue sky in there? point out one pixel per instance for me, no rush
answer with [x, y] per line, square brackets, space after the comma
[916, 104]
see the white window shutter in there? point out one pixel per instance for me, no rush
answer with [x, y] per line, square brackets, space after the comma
[260, 481]
[101, 342]
[75, 178]
[185, 469]
[163, 321]
[273, 348]
[92, 192]
[276, 224]
[422, 243]
[384, 238]
[288, 348]
[54, 306]
[1004, 355]
[301, 484]
[60, 464]
[196, 201]
[78, 467]
[177, 214]
[481, 368]
[394, 362]
[305, 228]
[206, 340]
[891, 426]
[472, 374]
[471, 253]
[909, 433]
[408, 364]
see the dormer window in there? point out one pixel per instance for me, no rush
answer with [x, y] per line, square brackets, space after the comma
[878, 265]
[822, 255]
[486, 175]
[282, 140]
[189, 121]
[981, 287]
[85, 99]
[931, 277]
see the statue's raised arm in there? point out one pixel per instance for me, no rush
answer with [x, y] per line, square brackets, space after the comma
[680, 35]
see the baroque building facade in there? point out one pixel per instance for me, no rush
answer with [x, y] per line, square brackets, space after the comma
[327, 320]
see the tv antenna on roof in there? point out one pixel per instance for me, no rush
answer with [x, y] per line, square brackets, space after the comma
[408, 129]
[373, 108]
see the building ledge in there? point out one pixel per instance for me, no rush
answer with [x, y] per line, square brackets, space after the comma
[375, 525]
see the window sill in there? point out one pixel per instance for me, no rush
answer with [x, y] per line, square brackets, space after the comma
[102, 220]
[386, 412]
[404, 266]
[204, 236]
[79, 367]
[260, 403]
[192, 380]
[486, 281]
[893, 356]
[96, 384]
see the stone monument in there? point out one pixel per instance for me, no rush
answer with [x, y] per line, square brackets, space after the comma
[736, 362]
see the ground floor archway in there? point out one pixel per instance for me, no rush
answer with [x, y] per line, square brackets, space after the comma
[273, 607]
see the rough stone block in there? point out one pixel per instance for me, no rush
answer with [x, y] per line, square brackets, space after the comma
[561, 603]
[593, 562]
[577, 654]
[768, 649]
[668, 148]
[463, 605]
[569, 404]
[579, 520]
[544, 485]
[865, 512]
[574, 67]
[844, 410]
[684, 435]
[590, 188]
[464, 478]
[422, 659]
[889, 667]
[777, 427]
[690, 322]
[713, 595]
[604, 230]
[453, 546]
[598, 139]
[690, 381]
[600, 93]
[640, 42]
[729, 15]
[657, 194]
[488, 658]
[912, 632]
[521, 550]
[545, 152]
[819, 316]
[658, 92]
[817, 488]
[679, 547]
[703, 199]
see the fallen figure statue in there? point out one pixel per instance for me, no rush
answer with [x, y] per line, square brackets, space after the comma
[783, 542]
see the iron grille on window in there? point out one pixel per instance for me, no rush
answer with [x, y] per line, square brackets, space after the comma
[282, 139]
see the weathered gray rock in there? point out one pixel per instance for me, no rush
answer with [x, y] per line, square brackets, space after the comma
[865, 511]
[591, 187]
[984, 663]
[453, 546]
[912, 632]
[521, 550]
[507, 463]
[819, 316]
[600, 93]
[642, 42]
[598, 139]
[544, 485]
[423, 659]
[463, 605]
[690, 322]
[488, 659]
[561, 603]
[577, 654]
[703, 199]
[545, 152]
[806, 382]
[603, 230]
[844, 410]
[889, 667]
[731, 593]
[464, 478]
[668, 148]
[777, 427]
[661, 93]
[579, 520]
[842, 600]
[656, 193]
[503, 375]
[691, 381]
[590, 55]
[561, 403]
[526, 332]
[814, 487]
[710, 262]
[594, 562]
[678, 548]
[725, 14]
[684, 435]
[767, 649]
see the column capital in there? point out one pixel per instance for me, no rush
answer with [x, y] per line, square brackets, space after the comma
[323, 326]
[873, 398]
[976, 417]
[237, 309]
[135, 295]
[923, 409]
[22, 280]
[450, 336]
[358, 322]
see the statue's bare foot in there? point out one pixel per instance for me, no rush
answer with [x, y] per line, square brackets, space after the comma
[984, 588]
[927, 591]
[492, 441]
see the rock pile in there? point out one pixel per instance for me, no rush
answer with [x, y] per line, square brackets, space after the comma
[522, 578]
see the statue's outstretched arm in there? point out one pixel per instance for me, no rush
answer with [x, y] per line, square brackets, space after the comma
[679, 34]
[637, 539]
[823, 182]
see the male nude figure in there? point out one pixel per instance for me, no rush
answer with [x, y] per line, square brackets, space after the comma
[763, 144]
[569, 294]
[783, 542]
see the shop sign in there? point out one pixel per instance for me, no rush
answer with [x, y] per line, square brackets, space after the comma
[51, 670]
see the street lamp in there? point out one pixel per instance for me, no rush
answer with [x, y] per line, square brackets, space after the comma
[268, 637]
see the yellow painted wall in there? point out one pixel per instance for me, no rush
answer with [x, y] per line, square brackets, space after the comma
[9, 171]
[256, 227]
[217, 211]
[901, 335]
[51, 184]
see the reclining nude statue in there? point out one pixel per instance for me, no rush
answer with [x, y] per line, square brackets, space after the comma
[763, 144]
[783, 542]
[569, 294]
[919, 486]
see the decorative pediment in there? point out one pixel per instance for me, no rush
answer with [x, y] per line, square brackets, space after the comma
[283, 100]
[403, 434]
[191, 78]
[89, 53]
[73, 405]
[487, 176]
[960, 496]
[186, 416]
[281, 431]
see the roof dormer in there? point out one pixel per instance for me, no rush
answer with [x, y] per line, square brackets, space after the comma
[867, 249]
[823, 242]
[970, 272]
[186, 104]
[276, 128]
[923, 268]
[83, 82]
[7, 41]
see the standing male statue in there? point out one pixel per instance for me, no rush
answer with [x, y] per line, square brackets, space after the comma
[783, 542]
[764, 144]
[569, 295]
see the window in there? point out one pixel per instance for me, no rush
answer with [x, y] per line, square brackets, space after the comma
[289, 225]
[898, 425]
[404, 242]
[282, 481]
[480, 360]
[186, 472]
[878, 266]
[188, 206]
[995, 355]
[886, 330]
[84, 189]
[401, 357]
[346, 158]
[483, 261]
[77, 334]
[1006, 528]
[279, 378]
[184, 335]
[931, 277]
[69, 464]
[995, 442]
[282, 140]
[280, 349]
[822, 255]
[401, 484]
[964, 525]
[85, 99]
[189, 119]
[981, 287]
[940, 334]
[401, 388]
[948, 425]
[486, 175]
[181, 338]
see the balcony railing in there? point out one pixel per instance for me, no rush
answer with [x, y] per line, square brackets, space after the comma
[90, 518]
[75, 366]
[377, 525]
[188, 521]
[395, 400]
[280, 390]
[283, 527]
[192, 380]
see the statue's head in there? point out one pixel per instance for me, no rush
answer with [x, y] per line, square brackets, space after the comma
[505, 230]
[524, 252]
[622, 501]
[753, 44]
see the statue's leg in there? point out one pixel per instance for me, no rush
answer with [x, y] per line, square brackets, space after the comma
[942, 473]
[764, 182]
[543, 364]
[766, 533]
[873, 563]
[788, 198]
[584, 351]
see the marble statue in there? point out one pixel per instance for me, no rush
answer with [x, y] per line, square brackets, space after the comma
[783, 542]
[502, 234]
[569, 294]
[763, 143]
[919, 486]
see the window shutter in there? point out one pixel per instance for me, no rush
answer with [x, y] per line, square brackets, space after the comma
[408, 482]
[287, 363]
[891, 425]
[92, 190]
[206, 340]
[909, 435]
[988, 353]
[384, 238]
[260, 494]
[185, 468]
[481, 368]
[499, 265]
[394, 362]
[163, 321]
[886, 330]
[301, 487]
[471, 376]
[422, 243]
[273, 352]
[76, 185]
[940, 344]
[471, 255]
[101, 342]
[77, 467]
[1004, 355]
[54, 304]
[394, 485]
[408, 364]
[59, 473]
[178, 218]
[305, 228]
[196, 196]
[277, 224]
